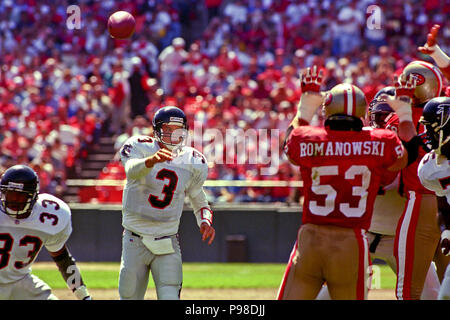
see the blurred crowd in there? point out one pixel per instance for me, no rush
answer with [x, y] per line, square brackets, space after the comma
[229, 64]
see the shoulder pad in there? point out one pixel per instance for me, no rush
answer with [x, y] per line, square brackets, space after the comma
[196, 157]
[138, 143]
[193, 159]
[50, 214]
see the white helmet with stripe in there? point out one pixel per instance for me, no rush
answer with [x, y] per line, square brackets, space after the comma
[345, 99]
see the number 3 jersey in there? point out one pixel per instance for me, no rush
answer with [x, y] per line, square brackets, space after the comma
[434, 175]
[342, 171]
[153, 198]
[49, 225]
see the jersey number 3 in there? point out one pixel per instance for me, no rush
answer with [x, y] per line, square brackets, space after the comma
[331, 193]
[168, 190]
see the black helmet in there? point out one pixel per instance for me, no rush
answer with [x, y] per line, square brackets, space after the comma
[436, 119]
[379, 109]
[170, 115]
[19, 190]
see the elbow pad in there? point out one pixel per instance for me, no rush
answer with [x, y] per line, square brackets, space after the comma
[412, 147]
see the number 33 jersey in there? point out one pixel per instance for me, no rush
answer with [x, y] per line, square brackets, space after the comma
[21, 240]
[153, 200]
[342, 171]
[435, 176]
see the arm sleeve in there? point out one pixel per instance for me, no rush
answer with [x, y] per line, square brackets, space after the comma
[200, 206]
[133, 161]
[395, 149]
[292, 148]
[135, 168]
[197, 196]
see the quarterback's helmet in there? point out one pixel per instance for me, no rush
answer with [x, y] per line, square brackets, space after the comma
[19, 191]
[379, 109]
[172, 116]
[345, 99]
[429, 81]
[436, 118]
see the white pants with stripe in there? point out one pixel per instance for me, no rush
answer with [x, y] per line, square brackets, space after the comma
[138, 261]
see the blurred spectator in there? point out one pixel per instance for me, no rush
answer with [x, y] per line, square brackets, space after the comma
[170, 60]
[138, 97]
[119, 94]
[61, 89]
[213, 7]
[236, 11]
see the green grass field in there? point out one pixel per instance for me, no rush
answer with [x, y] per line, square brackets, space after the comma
[197, 275]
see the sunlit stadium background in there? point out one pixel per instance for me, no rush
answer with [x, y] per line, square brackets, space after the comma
[70, 96]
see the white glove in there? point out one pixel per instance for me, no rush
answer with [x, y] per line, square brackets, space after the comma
[312, 98]
[82, 293]
[404, 92]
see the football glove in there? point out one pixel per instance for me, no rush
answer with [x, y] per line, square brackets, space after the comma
[312, 98]
[404, 92]
[82, 293]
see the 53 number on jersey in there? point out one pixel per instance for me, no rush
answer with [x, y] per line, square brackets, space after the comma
[330, 192]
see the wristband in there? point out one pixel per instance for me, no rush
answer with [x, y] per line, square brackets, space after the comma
[206, 215]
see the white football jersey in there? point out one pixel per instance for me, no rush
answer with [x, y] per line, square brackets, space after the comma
[49, 225]
[435, 175]
[153, 201]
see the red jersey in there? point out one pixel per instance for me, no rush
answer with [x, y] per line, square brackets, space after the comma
[409, 175]
[341, 172]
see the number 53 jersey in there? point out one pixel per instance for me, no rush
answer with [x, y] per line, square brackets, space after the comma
[153, 200]
[342, 171]
[21, 240]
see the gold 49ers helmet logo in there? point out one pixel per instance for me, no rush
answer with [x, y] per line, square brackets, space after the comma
[420, 79]
[328, 99]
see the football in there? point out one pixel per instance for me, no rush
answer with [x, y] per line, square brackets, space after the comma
[121, 25]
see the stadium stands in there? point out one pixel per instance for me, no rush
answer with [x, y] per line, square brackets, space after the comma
[63, 91]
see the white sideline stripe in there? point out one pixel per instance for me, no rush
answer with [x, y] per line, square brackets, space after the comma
[402, 244]
[208, 183]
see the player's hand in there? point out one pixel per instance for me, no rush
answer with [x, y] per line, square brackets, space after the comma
[311, 98]
[160, 156]
[311, 80]
[429, 48]
[405, 86]
[445, 242]
[207, 231]
[82, 293]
